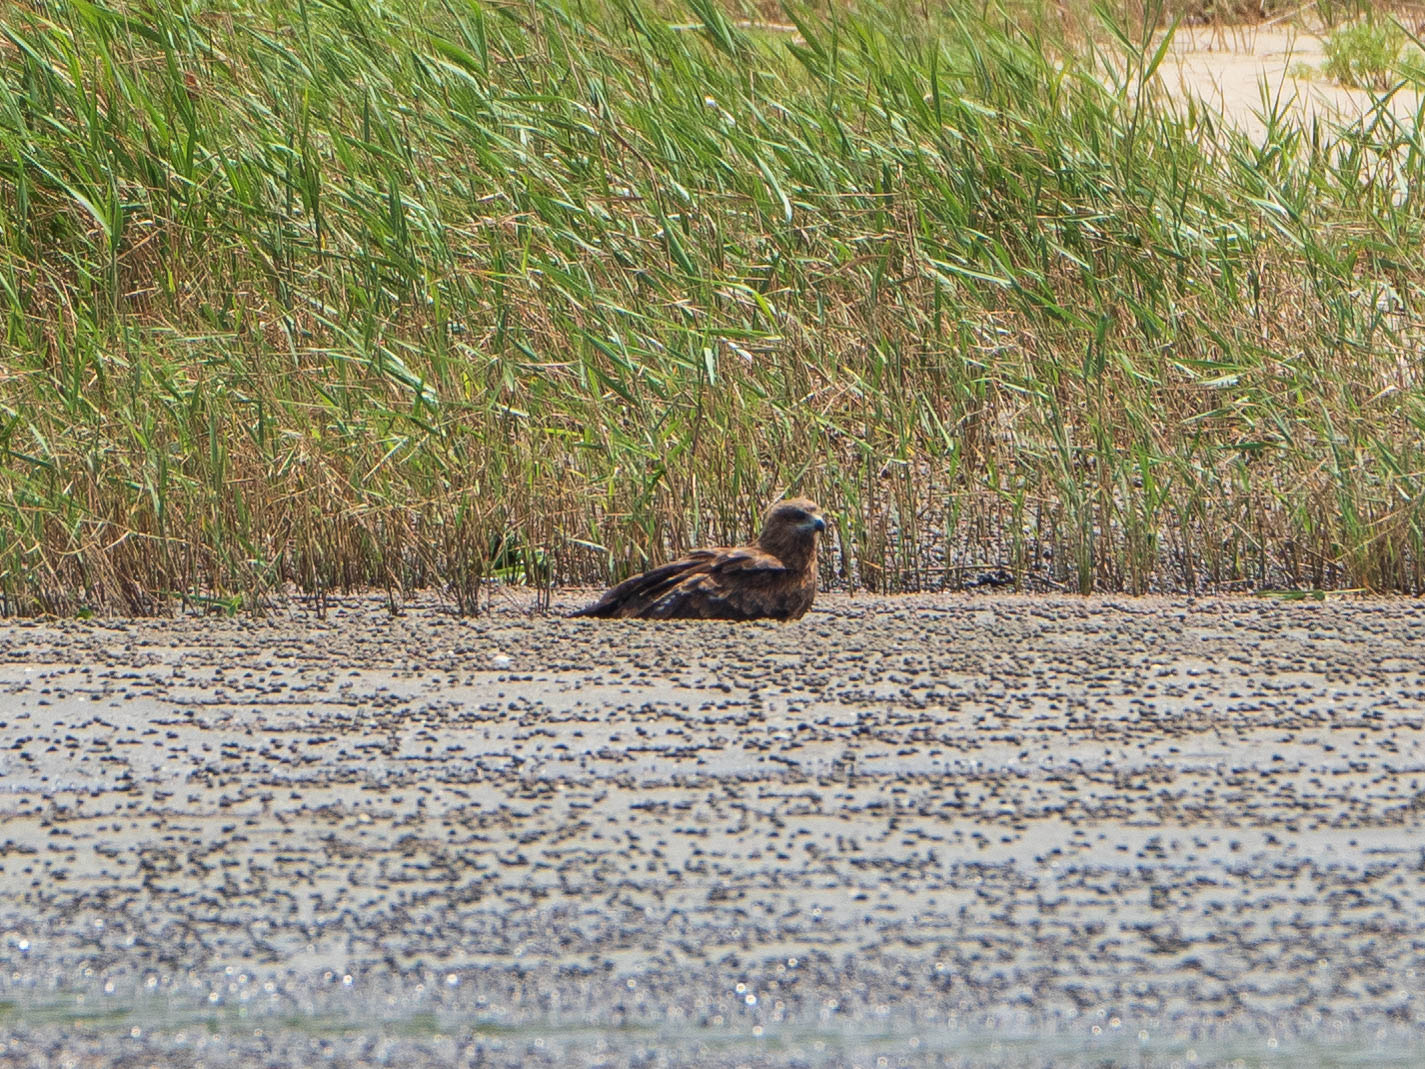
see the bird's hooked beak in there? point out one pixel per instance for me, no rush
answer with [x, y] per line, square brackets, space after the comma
[818, 524]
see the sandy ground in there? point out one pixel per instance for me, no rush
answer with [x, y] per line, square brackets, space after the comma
[936, 830]
[1244, 71]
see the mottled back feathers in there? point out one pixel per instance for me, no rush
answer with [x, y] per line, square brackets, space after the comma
[773, 578]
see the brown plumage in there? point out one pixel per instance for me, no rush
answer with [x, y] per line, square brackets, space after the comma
[773, 578]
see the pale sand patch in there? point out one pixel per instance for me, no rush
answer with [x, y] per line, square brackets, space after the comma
[1227, 68]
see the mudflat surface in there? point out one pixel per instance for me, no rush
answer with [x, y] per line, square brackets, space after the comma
[935, 830]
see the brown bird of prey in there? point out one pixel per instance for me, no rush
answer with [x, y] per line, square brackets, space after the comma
[774, 578]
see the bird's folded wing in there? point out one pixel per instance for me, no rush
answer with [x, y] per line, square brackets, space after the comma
[707, 583]
[731, 584]
[748, 561]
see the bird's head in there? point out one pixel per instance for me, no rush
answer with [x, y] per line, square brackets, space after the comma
[789, 528]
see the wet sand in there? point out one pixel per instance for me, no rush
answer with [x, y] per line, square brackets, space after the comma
[936, 830]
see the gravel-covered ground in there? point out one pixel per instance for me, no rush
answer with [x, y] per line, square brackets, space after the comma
[931, 830]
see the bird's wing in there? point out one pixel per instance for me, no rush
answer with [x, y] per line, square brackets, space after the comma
[637, 592]
[711, 584]
[728, 584]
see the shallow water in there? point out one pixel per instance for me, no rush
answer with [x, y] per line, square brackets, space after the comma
[940, 830]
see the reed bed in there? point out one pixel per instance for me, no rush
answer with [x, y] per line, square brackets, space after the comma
[303, 296]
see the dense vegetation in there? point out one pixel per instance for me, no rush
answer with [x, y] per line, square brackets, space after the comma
[316, 294]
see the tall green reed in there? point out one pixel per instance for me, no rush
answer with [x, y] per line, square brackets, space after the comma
[317, 296]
